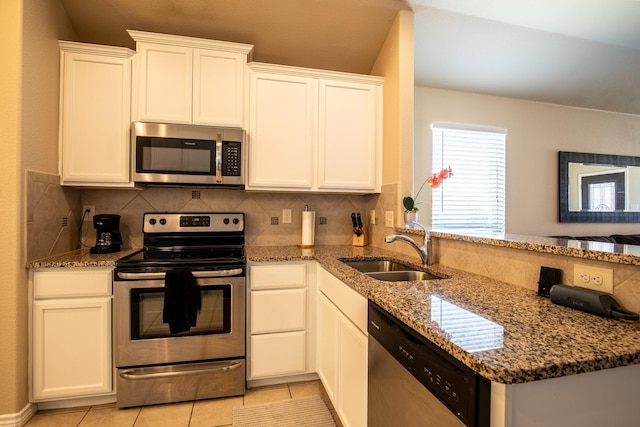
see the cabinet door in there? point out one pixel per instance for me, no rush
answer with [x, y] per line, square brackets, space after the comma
[352, 375]
[95, 117]
[327, 329]
[281, 132]
[164, 82]
[278, 310]
[277, 354]
[71, 347]
[349, 142]
[218, 88]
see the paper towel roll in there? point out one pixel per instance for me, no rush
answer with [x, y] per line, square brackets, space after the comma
[308, 227]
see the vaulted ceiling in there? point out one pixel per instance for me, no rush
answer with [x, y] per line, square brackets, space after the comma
[584, 53]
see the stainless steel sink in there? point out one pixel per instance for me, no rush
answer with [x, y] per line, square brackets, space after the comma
[377, 266]
[390, 271]
[400, 276]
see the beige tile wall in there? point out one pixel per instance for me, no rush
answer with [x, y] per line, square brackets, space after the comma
[48, 204]
[258, 207]
[522, 268]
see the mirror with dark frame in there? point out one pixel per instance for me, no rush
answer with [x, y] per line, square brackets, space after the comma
[599, 187]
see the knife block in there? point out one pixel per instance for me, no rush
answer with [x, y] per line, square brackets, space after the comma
[362, 239]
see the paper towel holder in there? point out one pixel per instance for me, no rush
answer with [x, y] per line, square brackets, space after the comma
[306, 232]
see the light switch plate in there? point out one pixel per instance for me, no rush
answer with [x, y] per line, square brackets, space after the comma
[286, 216]
[388, 218]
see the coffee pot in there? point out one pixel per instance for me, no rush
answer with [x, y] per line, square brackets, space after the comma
[108, 238]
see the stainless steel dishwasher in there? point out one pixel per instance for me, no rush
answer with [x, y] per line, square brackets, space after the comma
[412, 382]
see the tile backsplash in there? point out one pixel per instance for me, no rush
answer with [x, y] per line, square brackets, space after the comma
[53, 216]
[49, 203]
[259, 209]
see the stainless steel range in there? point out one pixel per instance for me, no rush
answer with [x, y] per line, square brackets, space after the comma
[179, 310]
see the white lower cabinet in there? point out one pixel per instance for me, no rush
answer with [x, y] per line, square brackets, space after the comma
[277, 354]
[342, 348]
[71, 333]
[281, 310]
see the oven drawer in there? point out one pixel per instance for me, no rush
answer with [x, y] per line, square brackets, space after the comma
[183, 382]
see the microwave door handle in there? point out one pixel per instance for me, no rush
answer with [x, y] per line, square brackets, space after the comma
[219, 158]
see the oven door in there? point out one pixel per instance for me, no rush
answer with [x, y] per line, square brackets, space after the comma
[141, 338]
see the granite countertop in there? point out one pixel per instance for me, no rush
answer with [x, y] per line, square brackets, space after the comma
[522, 337]
[600, 251]
[81, 258]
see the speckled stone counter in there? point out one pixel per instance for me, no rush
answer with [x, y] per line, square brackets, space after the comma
[521, 337]
[600, 251]
[81, 258]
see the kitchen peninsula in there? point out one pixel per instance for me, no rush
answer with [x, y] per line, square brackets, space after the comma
[533, 349]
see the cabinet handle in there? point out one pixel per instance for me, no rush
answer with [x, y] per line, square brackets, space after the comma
[177, 370]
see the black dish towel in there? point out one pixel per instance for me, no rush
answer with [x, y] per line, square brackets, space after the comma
[182, 300]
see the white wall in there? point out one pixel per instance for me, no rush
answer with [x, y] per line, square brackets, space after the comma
[536, 132]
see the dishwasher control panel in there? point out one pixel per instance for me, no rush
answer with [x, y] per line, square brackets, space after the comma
[453, 383]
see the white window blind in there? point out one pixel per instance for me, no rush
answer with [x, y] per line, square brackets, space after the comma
[474, 197]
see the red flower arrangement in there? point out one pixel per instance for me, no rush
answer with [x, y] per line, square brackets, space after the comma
[437, 178]
[434, 181]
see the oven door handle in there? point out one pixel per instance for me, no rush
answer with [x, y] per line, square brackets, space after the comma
[204, 368]
[196, 274]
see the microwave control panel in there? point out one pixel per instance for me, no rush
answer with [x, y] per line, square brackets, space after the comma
[231, 158]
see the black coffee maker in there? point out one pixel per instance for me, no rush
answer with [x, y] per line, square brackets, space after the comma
[108, 238]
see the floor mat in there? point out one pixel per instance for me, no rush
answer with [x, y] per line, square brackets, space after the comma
[304, 411]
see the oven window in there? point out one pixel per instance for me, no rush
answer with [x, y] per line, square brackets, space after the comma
[146, 313]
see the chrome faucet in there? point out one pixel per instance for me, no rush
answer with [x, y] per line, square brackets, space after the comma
[424, 250]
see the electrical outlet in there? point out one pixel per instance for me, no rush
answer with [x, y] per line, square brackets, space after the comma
[92, 211]
[388, 218]
[372, 217]
[286, 216]
[598, 279]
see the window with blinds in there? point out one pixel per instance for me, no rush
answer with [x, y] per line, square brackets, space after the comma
[474, 197]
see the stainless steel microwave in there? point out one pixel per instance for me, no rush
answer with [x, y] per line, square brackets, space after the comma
[187, 154]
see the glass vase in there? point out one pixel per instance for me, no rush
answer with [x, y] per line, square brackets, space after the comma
[410, 218]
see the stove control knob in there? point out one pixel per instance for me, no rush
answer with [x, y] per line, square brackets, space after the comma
[163, 221]
[236, 221]
[152, 221]
[226, 220]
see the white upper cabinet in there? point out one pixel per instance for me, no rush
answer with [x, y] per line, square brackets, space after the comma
[95, 114]
[314, 130]
[349, 135]
[188, 80]
[281, 137]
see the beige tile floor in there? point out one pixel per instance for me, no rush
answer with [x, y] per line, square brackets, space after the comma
[200, 413]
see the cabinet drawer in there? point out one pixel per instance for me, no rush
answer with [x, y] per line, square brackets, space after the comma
[277, 354]
[348, 301]
[277, 310]
[277, 276]
[75, 282]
